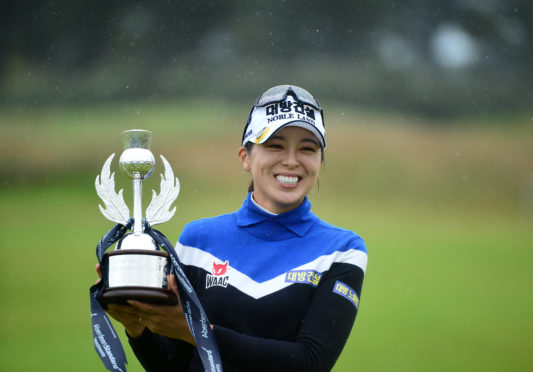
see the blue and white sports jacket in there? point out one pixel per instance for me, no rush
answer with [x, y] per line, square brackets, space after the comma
[282, 291]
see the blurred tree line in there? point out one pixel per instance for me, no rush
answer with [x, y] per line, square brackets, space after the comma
[438, 58]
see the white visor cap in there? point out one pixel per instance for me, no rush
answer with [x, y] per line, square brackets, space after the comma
[268, 119]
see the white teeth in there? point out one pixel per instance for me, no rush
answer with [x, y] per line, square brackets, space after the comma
[287, 179]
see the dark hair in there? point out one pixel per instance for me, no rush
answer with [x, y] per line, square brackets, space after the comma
[248, 147]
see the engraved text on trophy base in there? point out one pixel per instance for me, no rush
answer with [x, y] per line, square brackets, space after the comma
[138, 270]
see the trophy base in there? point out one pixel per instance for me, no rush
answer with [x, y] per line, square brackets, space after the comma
[136, 274]
[121, 295]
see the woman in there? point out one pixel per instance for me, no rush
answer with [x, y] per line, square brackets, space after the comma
[280, 287]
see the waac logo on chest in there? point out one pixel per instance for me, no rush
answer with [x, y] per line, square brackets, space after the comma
[218, 277]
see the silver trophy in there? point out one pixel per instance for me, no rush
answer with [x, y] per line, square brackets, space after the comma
[136, 269]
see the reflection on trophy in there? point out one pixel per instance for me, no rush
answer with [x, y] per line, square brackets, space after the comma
[137, 269]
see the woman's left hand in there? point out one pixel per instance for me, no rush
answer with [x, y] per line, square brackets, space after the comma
[165, 320]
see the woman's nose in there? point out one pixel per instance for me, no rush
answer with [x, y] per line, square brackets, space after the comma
[290, 158]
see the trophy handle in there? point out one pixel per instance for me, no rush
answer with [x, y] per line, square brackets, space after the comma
[116, 209]
[159, 209]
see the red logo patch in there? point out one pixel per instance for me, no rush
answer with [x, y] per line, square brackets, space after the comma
[220, 269]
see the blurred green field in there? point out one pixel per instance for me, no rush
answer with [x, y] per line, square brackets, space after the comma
[446, 211]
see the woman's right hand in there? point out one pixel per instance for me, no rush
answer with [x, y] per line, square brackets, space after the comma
[130, 318]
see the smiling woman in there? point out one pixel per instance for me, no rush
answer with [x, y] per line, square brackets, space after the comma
[280, 287]
[284, 168]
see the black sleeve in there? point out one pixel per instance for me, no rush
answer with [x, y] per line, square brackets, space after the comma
[323, 333]
[159, 353]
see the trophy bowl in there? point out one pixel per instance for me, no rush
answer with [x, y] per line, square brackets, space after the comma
[136, 269]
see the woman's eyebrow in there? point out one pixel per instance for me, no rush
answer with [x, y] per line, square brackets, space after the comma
[303, 140]
[310, 140]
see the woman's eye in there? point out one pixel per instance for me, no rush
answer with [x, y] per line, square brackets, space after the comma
[275, 146]
[309, 149]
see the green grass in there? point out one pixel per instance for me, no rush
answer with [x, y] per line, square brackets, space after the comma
[446, 213]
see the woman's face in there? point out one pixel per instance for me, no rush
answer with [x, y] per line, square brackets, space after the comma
[284, 168]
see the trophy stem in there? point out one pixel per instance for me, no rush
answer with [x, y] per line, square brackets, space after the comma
[137, 206]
